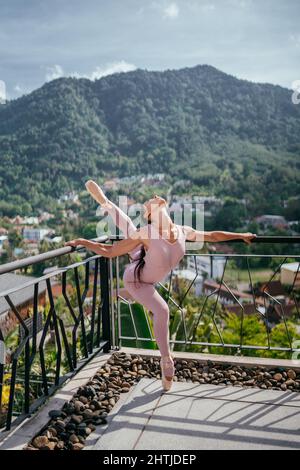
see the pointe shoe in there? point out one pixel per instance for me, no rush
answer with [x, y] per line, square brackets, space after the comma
[167, 372]
[96, 192]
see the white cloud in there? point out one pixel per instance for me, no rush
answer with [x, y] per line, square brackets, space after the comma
[295, 38]
[53, 72]
[19, 89]
[208, 7]
[171, 11]
[241, 3]
[57, 71]
[3, 96]
[109, 69]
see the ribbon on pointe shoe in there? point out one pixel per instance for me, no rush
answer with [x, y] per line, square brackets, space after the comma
[167, 371]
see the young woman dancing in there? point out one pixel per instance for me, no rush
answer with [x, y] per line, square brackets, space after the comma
[154, 250]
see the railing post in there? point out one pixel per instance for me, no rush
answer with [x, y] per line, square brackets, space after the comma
[104, 284]
[112, 306]
[2, 364]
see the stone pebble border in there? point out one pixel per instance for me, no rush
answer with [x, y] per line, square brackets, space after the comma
[69, 427]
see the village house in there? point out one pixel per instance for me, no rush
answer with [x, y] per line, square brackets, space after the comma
[246, 309]
[225, 296]
[111, 185]
[35, 234]
[211, 267]
[30, 247]
[3, 239]
[30, 220]
[16, 221]
[151, 179]
[275, 221]
[273, 289]
[290, 274]
[190, 277]
[71, 196]
[45, 216]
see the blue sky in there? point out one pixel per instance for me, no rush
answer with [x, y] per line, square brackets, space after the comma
[258, 40]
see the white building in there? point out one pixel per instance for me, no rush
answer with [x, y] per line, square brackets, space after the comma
[57, 239]
[270, 220]
[2, 240]
[189, 276]
[213, 266]
[72, 196]
[288, 273]
[30, 221]
[35, 234]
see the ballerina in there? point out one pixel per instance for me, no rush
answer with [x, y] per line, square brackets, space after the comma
[154, 249]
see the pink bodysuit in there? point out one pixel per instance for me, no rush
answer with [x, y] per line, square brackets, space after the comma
[161, 257]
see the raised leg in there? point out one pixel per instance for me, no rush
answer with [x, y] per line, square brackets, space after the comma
[120, 219]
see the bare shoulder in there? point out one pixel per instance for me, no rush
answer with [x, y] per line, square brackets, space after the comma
[192, 234]
[187, 230]
[141, 233]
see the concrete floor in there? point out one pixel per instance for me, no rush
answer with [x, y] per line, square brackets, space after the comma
[193, 416]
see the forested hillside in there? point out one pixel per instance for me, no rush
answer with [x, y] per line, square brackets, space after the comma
[226, 136]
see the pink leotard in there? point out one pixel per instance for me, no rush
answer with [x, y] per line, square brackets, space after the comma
[161, 257]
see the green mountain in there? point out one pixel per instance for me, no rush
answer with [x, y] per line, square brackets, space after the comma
[226, 136]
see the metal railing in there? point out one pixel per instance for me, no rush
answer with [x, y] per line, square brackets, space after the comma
[71, 336]
[263, 305]
[73, 331]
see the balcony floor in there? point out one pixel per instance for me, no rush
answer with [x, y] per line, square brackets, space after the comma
[193, 416]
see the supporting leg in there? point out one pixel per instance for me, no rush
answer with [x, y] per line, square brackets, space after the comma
[147, 295]
[150, 298]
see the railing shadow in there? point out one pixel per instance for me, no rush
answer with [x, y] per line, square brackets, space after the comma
[231, 422]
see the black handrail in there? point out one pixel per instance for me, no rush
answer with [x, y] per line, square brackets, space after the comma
[259, 239]
[22, 263]
[270, 239]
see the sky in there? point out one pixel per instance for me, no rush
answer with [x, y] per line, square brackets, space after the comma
[258, 40]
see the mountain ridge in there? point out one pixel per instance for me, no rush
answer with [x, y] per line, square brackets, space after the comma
[217, 131]
[138, 69]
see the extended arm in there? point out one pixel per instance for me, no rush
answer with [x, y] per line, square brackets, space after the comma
[122, 247]
[216, 236]
[108, 251]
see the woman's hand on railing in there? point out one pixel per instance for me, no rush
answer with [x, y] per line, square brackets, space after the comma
[76, 242]
[98, 248]
[248, 237]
